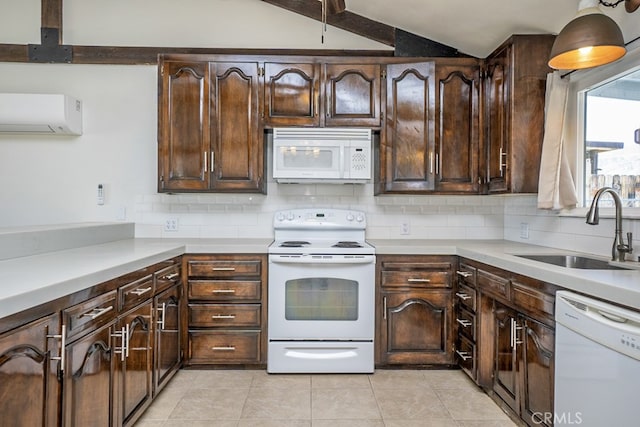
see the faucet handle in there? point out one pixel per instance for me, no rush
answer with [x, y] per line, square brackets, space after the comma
[629, 242]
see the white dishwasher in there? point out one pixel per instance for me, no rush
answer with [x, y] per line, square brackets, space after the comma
[597, 363]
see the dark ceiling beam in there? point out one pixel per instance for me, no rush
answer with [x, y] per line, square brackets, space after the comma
[346, 20]
[405, 43]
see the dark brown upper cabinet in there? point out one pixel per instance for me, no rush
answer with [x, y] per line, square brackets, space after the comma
[407, 143]
[209, 129]
[515, 85]
[291, 94]
[457, 127]
[352, 95]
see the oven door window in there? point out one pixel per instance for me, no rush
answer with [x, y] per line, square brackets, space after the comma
[321, 298]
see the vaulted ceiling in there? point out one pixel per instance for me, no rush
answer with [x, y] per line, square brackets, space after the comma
[472, 27]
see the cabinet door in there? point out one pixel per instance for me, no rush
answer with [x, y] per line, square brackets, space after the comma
[88, 380]
[416, 327]
[408, 141]
[458, 130]
[29, 387]
[505, 381]
[134, 372]
[537, 371]
[183, 131]
[237, 151]
[168, 355]
[352, 95]
[497, 121]
[291, 94]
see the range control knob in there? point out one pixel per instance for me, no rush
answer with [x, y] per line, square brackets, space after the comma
[360, 218]
[280, 217]
[349, 217]
[290, 216]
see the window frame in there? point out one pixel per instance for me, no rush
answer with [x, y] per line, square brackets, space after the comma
[580, 82]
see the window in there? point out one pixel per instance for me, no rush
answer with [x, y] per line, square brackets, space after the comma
[612, 139]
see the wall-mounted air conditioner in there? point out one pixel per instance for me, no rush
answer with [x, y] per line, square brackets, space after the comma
[40, 113]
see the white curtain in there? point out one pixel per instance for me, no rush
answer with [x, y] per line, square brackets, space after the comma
[556, 188]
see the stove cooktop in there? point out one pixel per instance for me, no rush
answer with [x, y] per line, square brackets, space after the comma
[321, 246]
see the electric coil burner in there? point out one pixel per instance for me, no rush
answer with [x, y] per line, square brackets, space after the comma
[321, 293]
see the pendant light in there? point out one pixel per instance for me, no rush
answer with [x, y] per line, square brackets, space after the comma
[591, 39]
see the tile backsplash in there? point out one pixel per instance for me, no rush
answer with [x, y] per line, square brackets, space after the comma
[510, 217]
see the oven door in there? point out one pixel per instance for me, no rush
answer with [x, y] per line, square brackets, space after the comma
[321, 297]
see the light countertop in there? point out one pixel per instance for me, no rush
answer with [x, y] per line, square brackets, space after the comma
[28, 281]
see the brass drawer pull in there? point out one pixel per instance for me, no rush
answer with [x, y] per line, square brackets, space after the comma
[97, 312]
[464, 355]
[419, 280]
[464, 273]
[224, 291]
[223, 316]
[463, 296]
[223, 269]
[228, 348]
[171, 276]
[140, 291]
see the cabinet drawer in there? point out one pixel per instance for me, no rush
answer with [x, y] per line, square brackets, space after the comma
[466, 273]
[466, 356]
[133, 293]
[532, 300]
[416, 279]
[224, 290]
[224, 268]
[224, 347]
[466, 322]
[167, 277]
[90, 314]
[466, 296]
[224, 315]
[493, 284]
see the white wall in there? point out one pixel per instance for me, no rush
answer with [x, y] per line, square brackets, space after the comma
[54, 179]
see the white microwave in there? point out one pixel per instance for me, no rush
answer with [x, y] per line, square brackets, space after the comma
[324, 155]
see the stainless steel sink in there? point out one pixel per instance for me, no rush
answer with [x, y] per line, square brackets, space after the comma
[573, 261]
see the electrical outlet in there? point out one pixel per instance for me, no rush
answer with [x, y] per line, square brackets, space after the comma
[171, 224]
[404, 228]
[524, 230]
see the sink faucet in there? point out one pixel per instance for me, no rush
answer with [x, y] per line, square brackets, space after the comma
[619, 248]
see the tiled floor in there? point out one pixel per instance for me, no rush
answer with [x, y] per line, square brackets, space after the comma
[392, 398]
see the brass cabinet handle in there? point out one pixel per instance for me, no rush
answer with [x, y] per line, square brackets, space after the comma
[224, 291]
[223, 316]
[464, 273]
[171, 276]
[419, 280]
[223, 269]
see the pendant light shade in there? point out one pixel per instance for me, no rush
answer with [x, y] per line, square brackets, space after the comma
[588, 41]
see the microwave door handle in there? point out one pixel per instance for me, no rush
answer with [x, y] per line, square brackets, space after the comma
[342, 160]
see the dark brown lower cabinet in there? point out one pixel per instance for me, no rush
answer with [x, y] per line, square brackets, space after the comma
[88, 380]
[29, 386]
[133, 366]
[167, 351]
[416, 327]
[523, 371]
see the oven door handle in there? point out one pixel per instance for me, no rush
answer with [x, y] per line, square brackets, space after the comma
[322, 259]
